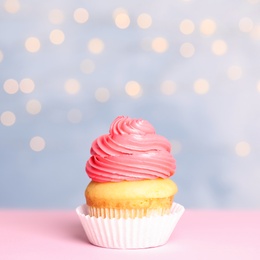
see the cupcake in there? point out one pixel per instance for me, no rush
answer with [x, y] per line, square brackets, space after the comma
[130, 199]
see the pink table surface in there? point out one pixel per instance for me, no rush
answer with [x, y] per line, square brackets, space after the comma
[198, 235]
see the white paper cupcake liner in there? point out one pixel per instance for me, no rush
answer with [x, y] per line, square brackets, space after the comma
[130, 233]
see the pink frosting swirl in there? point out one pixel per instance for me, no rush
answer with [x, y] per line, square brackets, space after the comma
[131, 151]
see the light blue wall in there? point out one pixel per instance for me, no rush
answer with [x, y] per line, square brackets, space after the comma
[205, 129]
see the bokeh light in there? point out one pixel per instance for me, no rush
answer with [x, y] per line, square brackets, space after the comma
[208, 27]
[160, 44]
[121, 18]
[81, 15]
[57, 37]
[27, 85]
[32, 44]
[33, 107]
[11, 86]
[187, 27]
[219, 47]
[12, 6]
[144, 21]
[37, 143]
[133, 89]
[102, 95]
[95, 46]
[201, 86]
[8, 118]
[187, 50]
[72, 86]
[243, 149]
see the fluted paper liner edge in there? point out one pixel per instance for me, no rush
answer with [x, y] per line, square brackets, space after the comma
[129, 233]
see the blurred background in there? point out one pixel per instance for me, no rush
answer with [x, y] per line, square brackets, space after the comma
[189, 67]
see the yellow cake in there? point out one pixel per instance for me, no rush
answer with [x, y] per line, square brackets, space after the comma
[130, 198]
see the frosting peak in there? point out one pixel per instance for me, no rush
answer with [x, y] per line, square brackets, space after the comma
[125, 125]
[131, 151]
